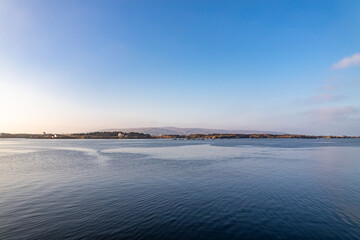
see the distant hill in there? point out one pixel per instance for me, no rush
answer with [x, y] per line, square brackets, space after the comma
[156, 131]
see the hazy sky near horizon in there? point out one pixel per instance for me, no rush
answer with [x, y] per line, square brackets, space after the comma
[72, 66]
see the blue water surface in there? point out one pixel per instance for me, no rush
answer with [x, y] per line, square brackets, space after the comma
[180, 189]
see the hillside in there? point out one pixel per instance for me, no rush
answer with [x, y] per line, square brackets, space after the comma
[156, 131]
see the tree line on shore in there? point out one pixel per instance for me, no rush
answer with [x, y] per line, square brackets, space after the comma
[137, 135]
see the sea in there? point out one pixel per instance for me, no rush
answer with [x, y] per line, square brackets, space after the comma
[180, 189]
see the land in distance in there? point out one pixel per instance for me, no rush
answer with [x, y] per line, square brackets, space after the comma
[138, 135]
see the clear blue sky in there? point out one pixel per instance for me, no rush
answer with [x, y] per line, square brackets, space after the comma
[68, 66]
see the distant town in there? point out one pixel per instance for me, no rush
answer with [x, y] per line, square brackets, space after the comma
[138, 135]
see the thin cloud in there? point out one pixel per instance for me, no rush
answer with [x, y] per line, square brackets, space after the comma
[332, 113]
[331, 84]
[355, 82]
[351, 61]
[329, 87]
[321, 98]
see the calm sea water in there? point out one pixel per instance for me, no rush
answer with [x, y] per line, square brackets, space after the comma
[167, 189]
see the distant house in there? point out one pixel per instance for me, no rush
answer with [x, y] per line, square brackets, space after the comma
[121, 134]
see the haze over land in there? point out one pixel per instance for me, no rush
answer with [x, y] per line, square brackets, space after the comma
[156, 131]
[278, 66]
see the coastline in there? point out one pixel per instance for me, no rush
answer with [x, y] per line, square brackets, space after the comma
[137, 135]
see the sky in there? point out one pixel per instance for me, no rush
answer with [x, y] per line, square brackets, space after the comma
[75, 66]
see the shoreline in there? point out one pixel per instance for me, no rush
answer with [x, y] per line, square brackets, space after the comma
[136, 135]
